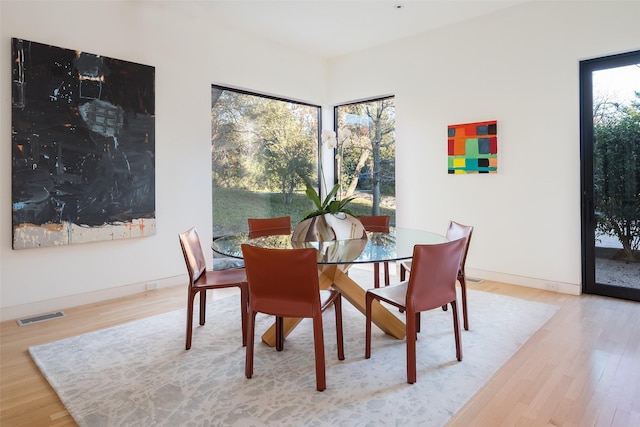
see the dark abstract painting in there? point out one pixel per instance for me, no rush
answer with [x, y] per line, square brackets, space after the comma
[83, 147]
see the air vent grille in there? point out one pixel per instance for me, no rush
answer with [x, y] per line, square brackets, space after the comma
[41, 318]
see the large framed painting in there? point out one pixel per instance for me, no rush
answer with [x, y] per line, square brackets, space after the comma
[473, 148]
[83, 147]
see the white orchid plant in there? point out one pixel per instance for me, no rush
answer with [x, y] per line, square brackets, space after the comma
[330, 204]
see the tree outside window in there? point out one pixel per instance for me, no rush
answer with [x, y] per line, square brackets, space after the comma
[365, 154]
[264, 151]
[616, 150]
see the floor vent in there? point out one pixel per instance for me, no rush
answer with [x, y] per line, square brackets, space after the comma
[41, 318]
[474, 280]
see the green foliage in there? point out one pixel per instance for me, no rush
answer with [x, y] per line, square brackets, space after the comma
[329, 205]
[617, 177]
[286, 154]
[262, 144]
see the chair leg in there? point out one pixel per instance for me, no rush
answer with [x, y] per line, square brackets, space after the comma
[244, 307]
[456, 330]
[463, 286]
[417, 322]
[190, 300]
[279, 333]
[411, 347]
[318, 340]
[387, 280]
[367, 343]
[376, 275]
[337, 306]
[251, 326]
[403, 273]
[203, 306]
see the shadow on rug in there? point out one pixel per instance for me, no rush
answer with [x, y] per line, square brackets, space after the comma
[138, 374]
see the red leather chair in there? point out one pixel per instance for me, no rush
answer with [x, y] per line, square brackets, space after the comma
[454, 231]
[200, 280]
[284, 283]
[379, 223]
[259, 227]
[432, 284]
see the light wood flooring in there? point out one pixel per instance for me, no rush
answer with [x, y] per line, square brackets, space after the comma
[581, 369]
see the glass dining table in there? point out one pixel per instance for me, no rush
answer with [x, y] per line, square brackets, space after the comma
[334, 260]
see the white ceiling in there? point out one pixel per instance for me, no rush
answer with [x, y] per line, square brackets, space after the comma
[331, 28]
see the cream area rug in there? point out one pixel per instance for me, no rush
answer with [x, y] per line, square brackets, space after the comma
[139, 374]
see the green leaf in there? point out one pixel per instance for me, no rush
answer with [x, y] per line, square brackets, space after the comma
[329, 197]
[347, 211]
[313, 195]
[334, 206]
[311, 214]
[329, 205]
[345, 201]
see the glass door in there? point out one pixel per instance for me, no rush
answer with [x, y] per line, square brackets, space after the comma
[610, 169]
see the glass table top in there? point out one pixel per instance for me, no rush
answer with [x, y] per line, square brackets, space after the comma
[377, 247]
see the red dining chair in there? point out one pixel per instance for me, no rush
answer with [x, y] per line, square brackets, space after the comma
[454, 231]
[200, 280]
[432, 284]
[259, 227]
[379, 223]
[284, 283]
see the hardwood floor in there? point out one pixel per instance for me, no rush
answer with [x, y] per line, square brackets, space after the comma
[581, 369]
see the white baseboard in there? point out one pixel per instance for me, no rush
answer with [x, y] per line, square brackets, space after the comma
[39, 307]
[529, 282]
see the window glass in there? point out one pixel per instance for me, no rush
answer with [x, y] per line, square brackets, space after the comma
[365, 156]
[264, 151]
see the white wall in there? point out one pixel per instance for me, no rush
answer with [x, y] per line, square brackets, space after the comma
[189, 54]
[520, 67]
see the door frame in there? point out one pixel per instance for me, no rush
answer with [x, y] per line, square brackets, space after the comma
[588, 221]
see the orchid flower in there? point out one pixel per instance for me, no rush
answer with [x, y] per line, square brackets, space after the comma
[329, 138]
[344, 136]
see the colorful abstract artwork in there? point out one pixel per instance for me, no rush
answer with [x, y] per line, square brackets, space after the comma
[473, 148]
[83, 147]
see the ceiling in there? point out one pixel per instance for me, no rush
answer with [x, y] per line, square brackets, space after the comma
[332, 28]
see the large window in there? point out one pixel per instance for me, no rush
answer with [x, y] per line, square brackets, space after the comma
[264, 151]
[365, 155]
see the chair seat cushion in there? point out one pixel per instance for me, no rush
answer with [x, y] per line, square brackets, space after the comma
[394, 294]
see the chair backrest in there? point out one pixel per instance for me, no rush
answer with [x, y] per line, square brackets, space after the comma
[259, 227]
[434, 271]
[379, 223]
[457, 231]
[283, 281]
[193, 255]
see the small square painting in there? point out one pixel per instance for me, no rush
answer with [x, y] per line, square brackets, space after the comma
[473, 148]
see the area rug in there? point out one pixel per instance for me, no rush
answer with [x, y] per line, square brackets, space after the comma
[138, 374]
